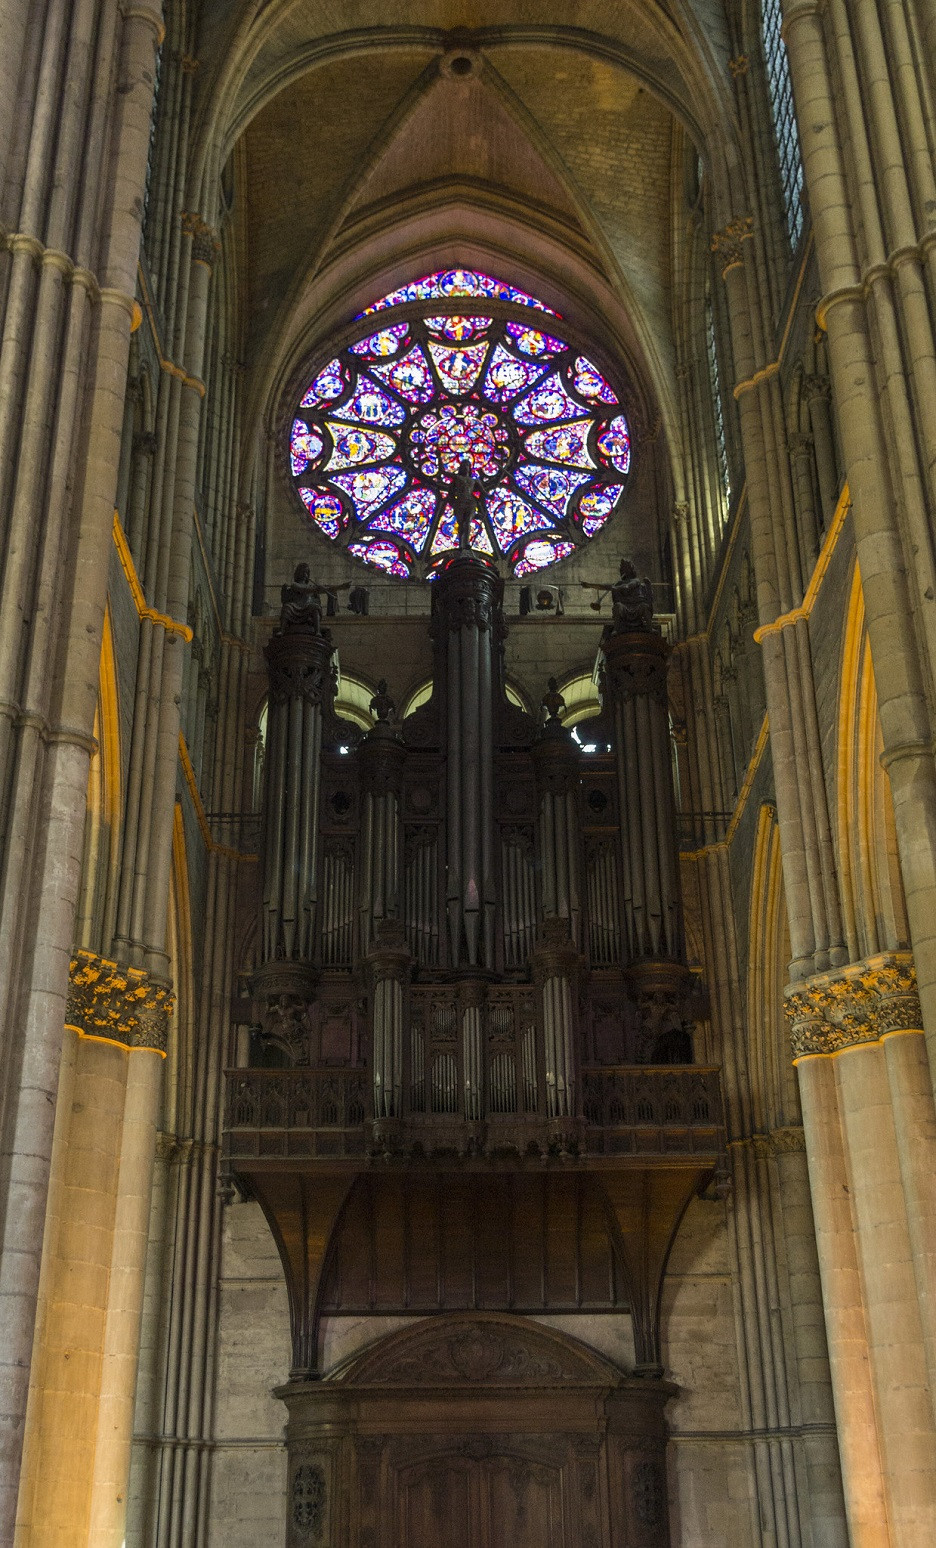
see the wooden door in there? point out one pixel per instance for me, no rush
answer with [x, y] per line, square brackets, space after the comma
[494, 1502]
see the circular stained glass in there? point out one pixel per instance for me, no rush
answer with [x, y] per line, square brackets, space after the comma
[383, 429]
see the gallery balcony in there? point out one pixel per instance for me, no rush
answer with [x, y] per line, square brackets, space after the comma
[324, 1118]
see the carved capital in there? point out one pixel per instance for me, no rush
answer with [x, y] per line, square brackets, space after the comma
[800, 444]
[816, 387]
[727, 243]
[555, 955]
[122, 1005]
[858, 1004]
[205, 244]
[466, 595]
[635, 665]
[300, 667]
[786, 1142]
[382, 758]
[389, 955]
[556, 759]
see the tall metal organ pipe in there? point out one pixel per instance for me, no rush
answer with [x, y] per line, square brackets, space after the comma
[466, 611]
[663, 990]
[301, 691]
[634, 679]
[381, 758]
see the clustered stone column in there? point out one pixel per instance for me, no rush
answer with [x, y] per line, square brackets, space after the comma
[79, 1422]
[875, 250]
[870, 1128]
[78, 84]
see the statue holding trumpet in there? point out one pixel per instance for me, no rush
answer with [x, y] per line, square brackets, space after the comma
[631, 601]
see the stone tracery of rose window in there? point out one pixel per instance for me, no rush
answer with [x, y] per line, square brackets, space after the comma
[459, 370]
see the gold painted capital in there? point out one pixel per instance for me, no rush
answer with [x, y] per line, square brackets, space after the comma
[727, 242]
[123, 1005]
[852, 1006]
[205, 243]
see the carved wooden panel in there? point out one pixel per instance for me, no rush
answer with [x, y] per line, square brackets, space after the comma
[483, 1431]
[457, 1242]
[499, 1501]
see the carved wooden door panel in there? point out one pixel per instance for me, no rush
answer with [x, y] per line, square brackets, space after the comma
[523, 1505]
[497, 1502]
[440, 1502]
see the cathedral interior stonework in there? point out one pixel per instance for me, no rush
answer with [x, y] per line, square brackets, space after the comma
[468, 774]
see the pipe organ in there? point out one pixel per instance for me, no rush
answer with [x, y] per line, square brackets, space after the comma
[470, 966]
[470, 849]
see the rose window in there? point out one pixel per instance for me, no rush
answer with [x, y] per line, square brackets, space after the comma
[464, 374]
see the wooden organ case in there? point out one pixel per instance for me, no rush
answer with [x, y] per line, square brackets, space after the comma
[473, 1100]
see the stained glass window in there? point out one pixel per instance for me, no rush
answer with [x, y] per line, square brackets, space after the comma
[382, 429]
[718, 410]
[781, 104]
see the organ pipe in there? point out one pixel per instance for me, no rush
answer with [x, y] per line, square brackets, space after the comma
[634, 678]
[298, 657]
[466, 604]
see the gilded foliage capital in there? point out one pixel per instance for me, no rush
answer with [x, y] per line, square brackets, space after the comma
[122, 1005]
[859, 1004]
[727, 242]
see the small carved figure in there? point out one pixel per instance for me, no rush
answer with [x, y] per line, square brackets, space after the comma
[382, 705]
[301, 607]
[464, 494]
[553, 702]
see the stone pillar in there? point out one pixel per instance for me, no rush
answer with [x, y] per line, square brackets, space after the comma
[873, 243]
[810, 878]
[72, 206]
[467, 624]
[870, 1128]
[79, 1422]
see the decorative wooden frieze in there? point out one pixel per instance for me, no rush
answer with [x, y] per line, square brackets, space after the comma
[858, 1004]
[124, 1005]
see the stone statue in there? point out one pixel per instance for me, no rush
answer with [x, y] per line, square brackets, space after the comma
[631, 601]
[381, 705]
[463, 493]
[553, 702]
[301, 607]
